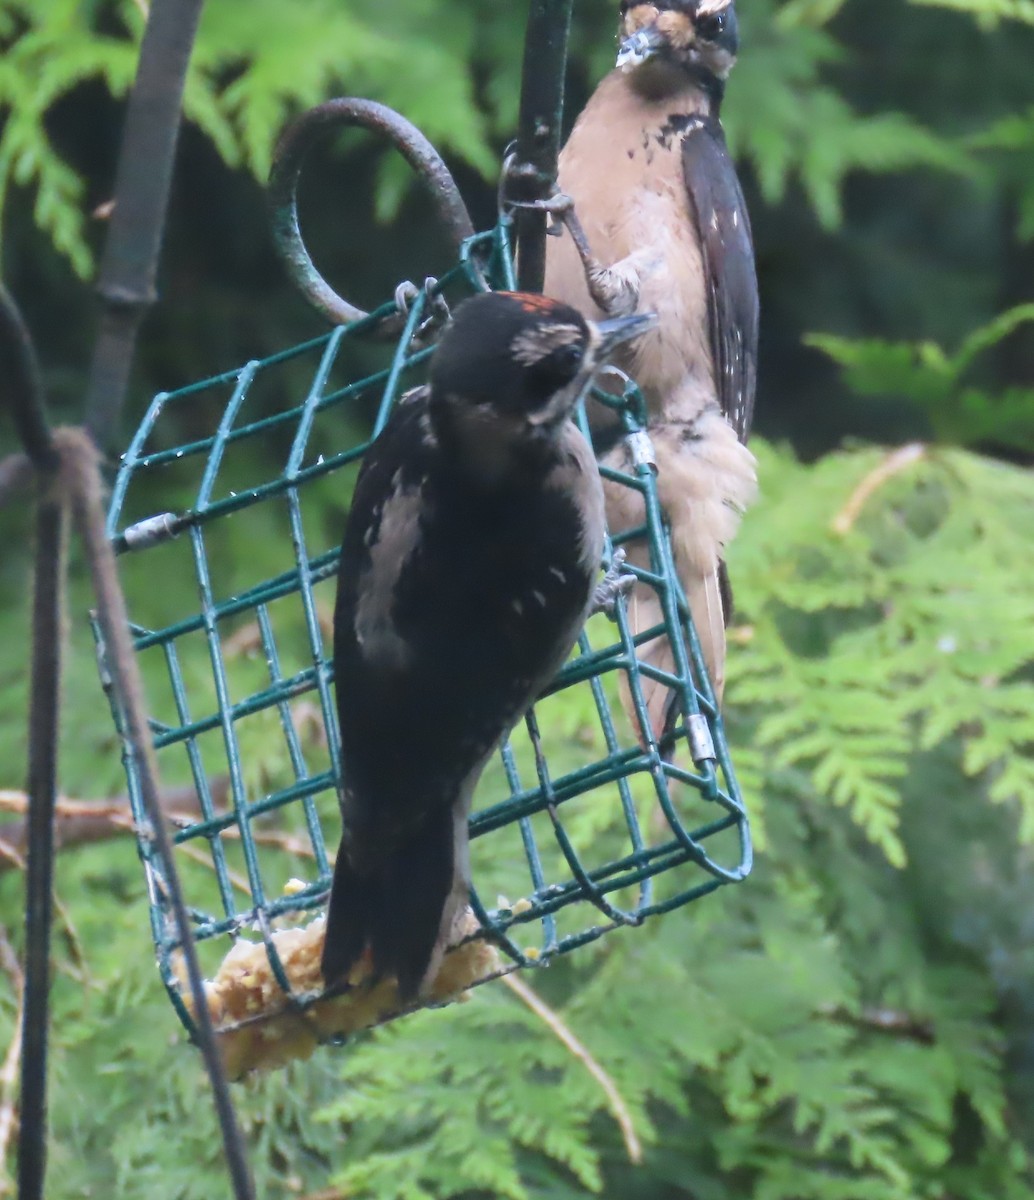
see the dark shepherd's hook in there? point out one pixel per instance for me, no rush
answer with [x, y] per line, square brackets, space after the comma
[295, 143]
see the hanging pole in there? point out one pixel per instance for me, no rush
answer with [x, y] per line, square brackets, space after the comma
[127, 290]
[539, 129]
[83, 476]
[25, 396]
[67, 465]
[39, 873]
[129, 267]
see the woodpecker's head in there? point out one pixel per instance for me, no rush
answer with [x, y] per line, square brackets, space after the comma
[697, 35]
[517, 363]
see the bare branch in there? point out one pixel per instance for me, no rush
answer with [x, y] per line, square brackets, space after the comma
[893, 464]
[615, 1102]
[83, 821]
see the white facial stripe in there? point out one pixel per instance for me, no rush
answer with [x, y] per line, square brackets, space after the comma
[535, 344]
[561, 403]
[707, 8]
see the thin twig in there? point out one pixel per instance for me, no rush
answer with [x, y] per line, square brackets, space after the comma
[11, 856]
[893, 464]
[617, 1105]
[199, 856]
[82, 475]
[891, 1022]
[83, 821]
[14, 801]
[288, 842]
[114, 814]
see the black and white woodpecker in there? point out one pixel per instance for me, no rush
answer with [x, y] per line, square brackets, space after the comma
[666, 230]
[469, 564]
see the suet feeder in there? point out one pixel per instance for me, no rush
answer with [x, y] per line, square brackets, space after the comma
[583, 825]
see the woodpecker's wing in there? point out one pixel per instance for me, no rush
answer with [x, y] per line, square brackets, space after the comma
[455, 605]
[452, 605]
[716, 201]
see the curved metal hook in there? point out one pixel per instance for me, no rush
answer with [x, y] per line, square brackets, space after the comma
[296, 141]
[24, 386]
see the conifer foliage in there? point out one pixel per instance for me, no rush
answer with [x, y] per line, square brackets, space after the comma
[854, 1022]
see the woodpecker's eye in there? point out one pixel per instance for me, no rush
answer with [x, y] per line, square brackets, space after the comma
[566, 360]
[555, 369]
[711, 26]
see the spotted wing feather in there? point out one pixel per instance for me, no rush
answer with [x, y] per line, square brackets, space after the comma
[717, 204]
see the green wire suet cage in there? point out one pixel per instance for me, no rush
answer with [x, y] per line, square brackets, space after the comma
[583, 825]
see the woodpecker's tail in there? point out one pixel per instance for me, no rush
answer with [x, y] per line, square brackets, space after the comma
[706, 605]
[402, 910]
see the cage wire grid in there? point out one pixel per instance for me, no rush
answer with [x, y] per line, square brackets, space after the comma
[617, 834]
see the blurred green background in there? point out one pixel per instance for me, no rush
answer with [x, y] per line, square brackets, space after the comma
[857, 1021]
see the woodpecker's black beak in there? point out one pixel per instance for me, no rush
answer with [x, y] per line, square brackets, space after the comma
[640, 46]
[616, 330]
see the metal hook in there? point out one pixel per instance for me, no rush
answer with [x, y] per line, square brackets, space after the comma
[296, 141]
[24, 387]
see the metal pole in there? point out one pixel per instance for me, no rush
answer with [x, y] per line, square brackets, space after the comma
[539, 128]
[24, 392]
[39, 883]
[129, 266]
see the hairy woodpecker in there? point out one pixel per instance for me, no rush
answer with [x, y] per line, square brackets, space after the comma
[666, 229]
[468, 567]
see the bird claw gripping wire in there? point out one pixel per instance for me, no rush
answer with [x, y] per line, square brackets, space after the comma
[559, 207]
[288, 158]
[407, 292]
[521, 185]
[518, 183]
[617, 582]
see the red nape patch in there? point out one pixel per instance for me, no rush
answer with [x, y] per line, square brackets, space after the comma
[532, 302]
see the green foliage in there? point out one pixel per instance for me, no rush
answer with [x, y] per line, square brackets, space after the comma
[787, 120]
[50, 48]
[854, 1021]
[989, 12]
[924, 373]
[827, 1030]
[454, 72]
[875, 670]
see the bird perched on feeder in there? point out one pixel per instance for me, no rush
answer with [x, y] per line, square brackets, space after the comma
[665, 228]
[468, 566]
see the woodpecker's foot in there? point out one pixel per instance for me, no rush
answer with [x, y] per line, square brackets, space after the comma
[557, 207]
[615, 289]
[616, 583]
[437, 309]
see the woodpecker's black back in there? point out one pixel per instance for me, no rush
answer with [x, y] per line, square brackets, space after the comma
[467, 567]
